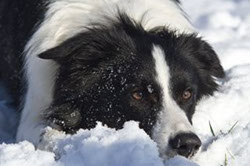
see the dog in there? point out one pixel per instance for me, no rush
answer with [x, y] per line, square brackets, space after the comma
[71, 63]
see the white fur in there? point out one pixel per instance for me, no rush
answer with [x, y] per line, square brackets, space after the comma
[66, 18]
[171, 119]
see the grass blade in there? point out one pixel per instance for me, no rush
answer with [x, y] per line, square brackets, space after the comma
[232, 127]
[211, 129]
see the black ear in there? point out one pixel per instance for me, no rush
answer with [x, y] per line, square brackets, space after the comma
[208, 59]
[205, 60]
[85, 47]
[63, 50]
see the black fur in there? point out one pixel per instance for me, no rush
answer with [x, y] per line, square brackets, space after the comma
[100, 68]
[18, 19]
[99, 71]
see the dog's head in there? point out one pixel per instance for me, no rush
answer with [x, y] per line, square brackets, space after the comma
[121, 72]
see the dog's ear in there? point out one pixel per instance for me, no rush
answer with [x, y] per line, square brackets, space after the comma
[63, 50]
[201, 54]
[204, 58]
[208, 59]
[81, 47]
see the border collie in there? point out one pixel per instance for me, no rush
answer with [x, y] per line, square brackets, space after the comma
[71, 63]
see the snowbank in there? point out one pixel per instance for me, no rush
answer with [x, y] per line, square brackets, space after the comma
[24, 154]
[100, 146]
[226, 25]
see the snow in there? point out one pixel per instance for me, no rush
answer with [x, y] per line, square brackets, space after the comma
[107, 147]
[223, 23]
[24, 154]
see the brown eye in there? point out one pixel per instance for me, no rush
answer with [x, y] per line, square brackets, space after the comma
[137, 95]
[187, 94]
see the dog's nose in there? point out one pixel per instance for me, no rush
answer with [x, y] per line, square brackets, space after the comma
[185, 144]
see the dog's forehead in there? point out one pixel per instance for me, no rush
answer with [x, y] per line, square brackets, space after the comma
[145, 61]
[162, 70]
[171, 74]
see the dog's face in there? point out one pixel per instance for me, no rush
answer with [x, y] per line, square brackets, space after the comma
[121, 72]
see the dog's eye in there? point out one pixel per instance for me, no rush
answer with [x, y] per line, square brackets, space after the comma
[187, 94]
[138, 95]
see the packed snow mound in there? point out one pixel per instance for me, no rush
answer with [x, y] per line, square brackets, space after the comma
[103, 146]
[24, 154]
[222, 121]
[108, 147]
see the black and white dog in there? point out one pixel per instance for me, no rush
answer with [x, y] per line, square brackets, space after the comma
[76, 62]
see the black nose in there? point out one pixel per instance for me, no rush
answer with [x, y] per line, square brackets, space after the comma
[185, 144]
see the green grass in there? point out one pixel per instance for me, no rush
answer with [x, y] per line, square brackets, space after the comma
[211, 129]
[229, 131]
[228, 153]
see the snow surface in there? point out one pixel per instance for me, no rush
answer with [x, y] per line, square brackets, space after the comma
[226, 25]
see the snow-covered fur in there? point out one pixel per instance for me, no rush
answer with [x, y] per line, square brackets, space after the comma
[111, 61]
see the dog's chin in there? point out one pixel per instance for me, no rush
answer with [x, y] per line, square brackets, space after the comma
[171, 153]
[168, 154]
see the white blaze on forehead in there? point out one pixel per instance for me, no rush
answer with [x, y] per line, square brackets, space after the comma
[171, 119]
